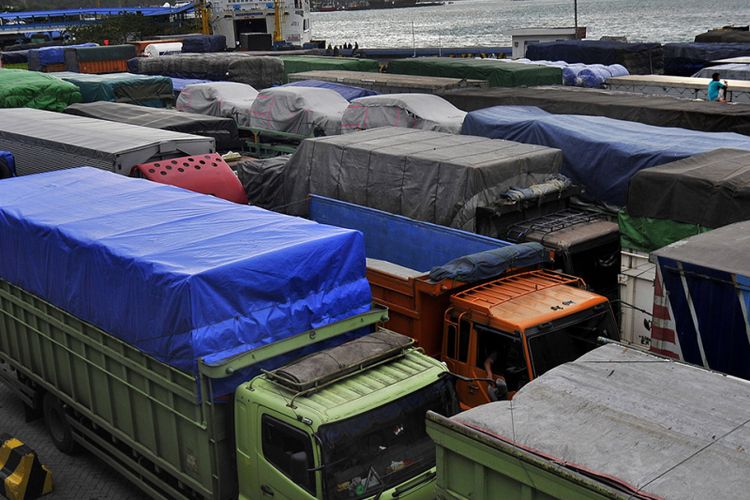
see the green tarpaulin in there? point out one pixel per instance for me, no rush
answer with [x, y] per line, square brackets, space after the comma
[29, 89]
[144, 90]
[648, 234]
[497, 73]
[298, 64]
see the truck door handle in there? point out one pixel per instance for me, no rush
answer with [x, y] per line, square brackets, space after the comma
[473, 388]
[266, 490]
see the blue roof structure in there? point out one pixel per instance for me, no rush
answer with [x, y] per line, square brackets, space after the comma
[115, 11]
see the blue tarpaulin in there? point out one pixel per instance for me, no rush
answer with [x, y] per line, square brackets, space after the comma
[348, 92]
[45, 56]
[602, 154]
[178, 84]
[176, 274]
[7, 164]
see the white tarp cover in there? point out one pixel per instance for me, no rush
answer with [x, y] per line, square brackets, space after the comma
[227, 99]
[420, 111]
[428, 176]
[305, 111]
[667, 429]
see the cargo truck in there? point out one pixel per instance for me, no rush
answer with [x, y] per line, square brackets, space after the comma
[528, 319]
[702, 299]
[197, 347]
[618, 423]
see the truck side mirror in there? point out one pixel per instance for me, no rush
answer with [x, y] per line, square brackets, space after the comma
[298, 467]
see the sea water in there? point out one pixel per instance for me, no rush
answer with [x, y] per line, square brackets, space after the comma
[490, 22]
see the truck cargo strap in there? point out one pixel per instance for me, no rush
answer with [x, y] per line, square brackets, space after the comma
[22, 475]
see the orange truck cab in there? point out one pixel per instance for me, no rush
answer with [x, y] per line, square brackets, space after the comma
[528, 320]
[525, 323]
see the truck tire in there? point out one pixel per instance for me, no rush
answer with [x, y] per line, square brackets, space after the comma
[57, 425]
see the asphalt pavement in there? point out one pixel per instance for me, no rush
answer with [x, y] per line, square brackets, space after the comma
[81, 476]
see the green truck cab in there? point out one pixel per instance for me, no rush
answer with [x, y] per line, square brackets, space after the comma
[351, 428]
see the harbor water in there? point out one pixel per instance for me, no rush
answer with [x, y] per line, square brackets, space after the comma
[463, 23]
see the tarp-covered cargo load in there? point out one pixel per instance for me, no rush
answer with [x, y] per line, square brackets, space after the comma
[388, 83]
[498, 75]
[179, 275]
[45, 57]
[7, 165]
[30, 89]
[616, 423]
[663, 111]
[42, 141]
[638, 58]
[304, 111]
[300, 63]
[107, 59]
[258, 71]
[420, 111]
[424, 175]
[702, 299]
[685, 59]
[144, 90]
[204, 43]
[225, 99]
[348, 92]
[710, 189]
[600, 153]
[726, 71]
[222, 130]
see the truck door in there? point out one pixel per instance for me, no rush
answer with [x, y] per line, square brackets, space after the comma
[285, 456]
[458, 354]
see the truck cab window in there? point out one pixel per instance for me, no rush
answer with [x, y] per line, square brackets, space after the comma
[507, 354]
[290, 451]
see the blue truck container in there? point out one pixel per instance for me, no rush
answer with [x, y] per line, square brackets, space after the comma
[702, 298]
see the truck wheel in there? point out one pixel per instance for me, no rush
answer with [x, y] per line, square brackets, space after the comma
[57, 425]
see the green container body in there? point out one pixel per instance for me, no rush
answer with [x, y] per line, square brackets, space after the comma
[147, 405]
[31, 89]
[498, 74]
[473, 465]
[298, 64]
[647, 234]
[104, 53]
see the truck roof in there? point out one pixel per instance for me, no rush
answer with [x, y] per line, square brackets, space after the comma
[357, 393]
[622, 415]
[520, 301]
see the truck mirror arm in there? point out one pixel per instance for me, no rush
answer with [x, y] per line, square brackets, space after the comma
[456, 376]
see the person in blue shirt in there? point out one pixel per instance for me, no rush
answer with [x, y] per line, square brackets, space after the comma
[717, 89]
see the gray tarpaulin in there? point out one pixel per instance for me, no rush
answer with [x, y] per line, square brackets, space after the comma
[263, 179]
[306, 111]
[227, 99]
[670, 430]
[710, 189]
[223, 130]
[421, 111]
[259, 71]
[428, 176]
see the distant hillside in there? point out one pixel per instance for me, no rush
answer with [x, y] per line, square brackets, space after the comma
[72, 4]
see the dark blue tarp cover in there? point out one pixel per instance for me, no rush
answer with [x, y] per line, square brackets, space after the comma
[204, 43]
[7, 160]
[178, 84]
[490, 263]
[348, 92]
[178, 275]
[38, 58]
[638, 58]
[685, 59]
[602, 154]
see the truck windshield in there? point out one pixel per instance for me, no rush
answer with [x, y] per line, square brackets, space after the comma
[570, 338]
[381, 448]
